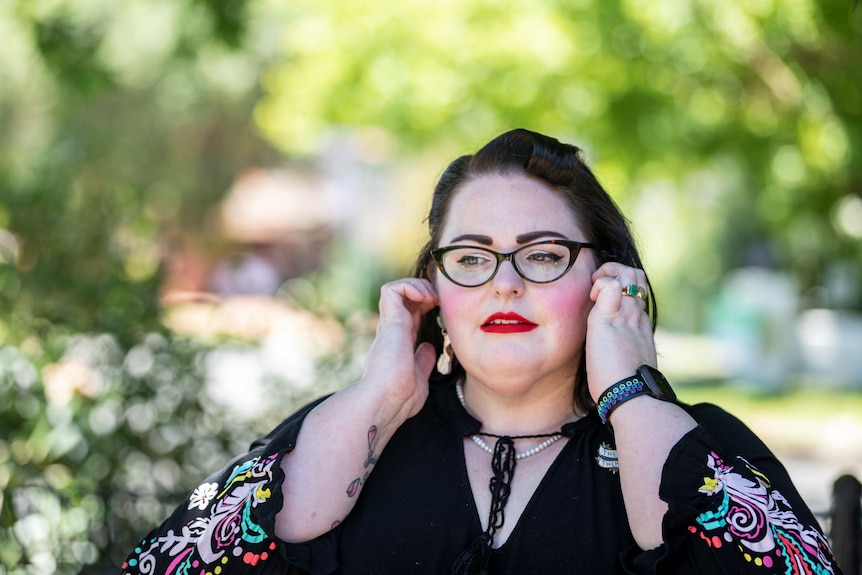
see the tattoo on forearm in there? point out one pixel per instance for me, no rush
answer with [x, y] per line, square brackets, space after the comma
[370, 460]
[354, 486]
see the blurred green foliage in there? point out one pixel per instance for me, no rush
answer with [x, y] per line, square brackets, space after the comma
[89, 460]
[118, 125]
[721, 127]
[99, 445]
[717, 126]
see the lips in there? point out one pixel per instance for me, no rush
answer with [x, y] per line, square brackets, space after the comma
[507, 323]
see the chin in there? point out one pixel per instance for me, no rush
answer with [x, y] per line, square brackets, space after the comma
[506, 368]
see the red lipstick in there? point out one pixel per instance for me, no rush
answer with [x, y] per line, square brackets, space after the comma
[507, 323]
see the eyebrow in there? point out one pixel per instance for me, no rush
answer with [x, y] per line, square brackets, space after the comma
[521, 239]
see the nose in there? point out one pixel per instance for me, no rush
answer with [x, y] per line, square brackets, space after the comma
[508, 281]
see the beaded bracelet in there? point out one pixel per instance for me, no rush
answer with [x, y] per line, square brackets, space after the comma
[618, 394]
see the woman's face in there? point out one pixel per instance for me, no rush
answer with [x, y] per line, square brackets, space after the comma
[504, 212]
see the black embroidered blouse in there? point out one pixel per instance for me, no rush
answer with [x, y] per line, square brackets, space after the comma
[733, 509]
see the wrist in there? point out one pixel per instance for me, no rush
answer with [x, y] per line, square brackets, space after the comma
[390, 403]
[647, 381]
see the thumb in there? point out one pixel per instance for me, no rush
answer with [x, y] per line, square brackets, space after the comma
[425, 358]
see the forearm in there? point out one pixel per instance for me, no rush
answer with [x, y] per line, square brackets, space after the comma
[335, 452]
[646, 430]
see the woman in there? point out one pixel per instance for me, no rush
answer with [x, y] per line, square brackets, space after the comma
[545, 442]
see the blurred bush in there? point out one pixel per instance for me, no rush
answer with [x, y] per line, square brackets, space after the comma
[100, 443]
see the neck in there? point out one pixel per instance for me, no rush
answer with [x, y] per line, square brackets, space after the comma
[535, 409]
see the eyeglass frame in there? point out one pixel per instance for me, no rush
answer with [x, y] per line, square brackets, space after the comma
[573, 246]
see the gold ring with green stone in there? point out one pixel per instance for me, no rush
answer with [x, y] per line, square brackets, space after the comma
[634, 290]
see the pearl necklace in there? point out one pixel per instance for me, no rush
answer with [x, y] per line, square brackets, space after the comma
[459, 391]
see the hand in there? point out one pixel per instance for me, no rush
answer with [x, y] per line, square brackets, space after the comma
[392, 362]
[619, 332]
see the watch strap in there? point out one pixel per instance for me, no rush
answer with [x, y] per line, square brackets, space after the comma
[619, 393]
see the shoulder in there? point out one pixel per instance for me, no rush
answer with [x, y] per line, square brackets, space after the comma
[728, 431]
[709, 413]
[284, 435]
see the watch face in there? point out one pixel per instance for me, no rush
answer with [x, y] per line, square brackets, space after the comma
[657, 382]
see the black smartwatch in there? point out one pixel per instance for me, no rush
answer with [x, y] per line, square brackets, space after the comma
[647, 381]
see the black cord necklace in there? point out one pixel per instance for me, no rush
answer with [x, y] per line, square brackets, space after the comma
[475, 558]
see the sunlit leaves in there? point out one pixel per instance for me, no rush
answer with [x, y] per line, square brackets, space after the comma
[69, 53]
[847, 216]
[131, 118]
[467, 67]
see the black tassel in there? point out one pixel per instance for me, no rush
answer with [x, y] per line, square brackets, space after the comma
[475, 558]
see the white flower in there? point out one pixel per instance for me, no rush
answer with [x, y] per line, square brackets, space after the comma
[201, 497]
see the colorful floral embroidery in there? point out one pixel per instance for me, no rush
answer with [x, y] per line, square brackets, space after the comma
[202, 496]
[225, 532]
[760, 522]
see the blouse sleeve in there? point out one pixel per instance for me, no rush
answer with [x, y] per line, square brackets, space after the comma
[226, 525]
[732, 508]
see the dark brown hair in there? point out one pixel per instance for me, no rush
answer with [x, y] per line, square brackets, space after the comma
[559, 166]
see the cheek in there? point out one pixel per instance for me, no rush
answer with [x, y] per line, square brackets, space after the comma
[453, 301]
[572, 306]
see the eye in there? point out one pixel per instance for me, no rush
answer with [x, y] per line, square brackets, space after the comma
[543, 258]
[472, 260]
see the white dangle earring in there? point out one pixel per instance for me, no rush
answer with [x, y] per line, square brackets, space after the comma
[444, 362]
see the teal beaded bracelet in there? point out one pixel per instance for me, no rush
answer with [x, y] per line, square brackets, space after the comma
[618, 394]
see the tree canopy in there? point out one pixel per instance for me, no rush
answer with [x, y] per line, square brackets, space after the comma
[726, 126]
[720, 126]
